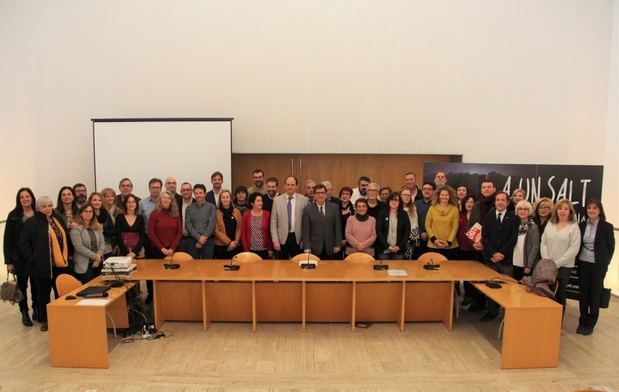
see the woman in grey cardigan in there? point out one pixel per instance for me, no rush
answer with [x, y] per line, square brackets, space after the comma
[526, 250]
[88, 243]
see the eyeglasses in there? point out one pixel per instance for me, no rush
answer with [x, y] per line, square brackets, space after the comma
[320, 193]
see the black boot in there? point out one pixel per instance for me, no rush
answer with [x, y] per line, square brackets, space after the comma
[25, 318]
[35, 313]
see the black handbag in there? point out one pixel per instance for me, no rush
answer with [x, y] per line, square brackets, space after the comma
[605, 298]
[9, 291]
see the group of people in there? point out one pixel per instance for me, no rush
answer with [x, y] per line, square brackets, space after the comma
[42, 242]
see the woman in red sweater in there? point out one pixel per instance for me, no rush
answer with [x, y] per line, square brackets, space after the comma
[164, 227]
[255, 228]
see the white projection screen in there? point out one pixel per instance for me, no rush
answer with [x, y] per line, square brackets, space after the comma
[189, 149]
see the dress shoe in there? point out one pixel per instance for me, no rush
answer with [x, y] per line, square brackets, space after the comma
[580, 329]
[44, 326]
[25, 319]
[475, 307]
[35, 314]
[488, 317]
[587, 330]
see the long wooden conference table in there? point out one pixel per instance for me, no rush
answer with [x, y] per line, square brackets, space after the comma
[336, 291]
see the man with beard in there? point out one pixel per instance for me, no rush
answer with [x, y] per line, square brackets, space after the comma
[212, 196]
[409, 181]
[81, 194]
[258, 177]
[361, 191]
[272, 184]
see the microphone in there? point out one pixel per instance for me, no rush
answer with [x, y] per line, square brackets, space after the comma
[431, 266]
[308, 265]
[171, 265]
[381, 266]
[117, 282]
[232, 266]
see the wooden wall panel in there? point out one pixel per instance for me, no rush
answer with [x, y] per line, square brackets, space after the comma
[340, 169]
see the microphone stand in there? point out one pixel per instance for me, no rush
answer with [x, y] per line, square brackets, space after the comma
[118, 282]
[381, 266]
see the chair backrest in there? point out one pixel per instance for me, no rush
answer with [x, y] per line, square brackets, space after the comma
[66, 283]
[179, 257]
[359, 258]
[246, 257]
[303, 257]
[432, 257]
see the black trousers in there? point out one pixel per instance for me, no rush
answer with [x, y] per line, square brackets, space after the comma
[290, 248]
[469, 290]
[43, 288]
[56, 271]
[262, 253]
[22, 283]
[563, 277]
[591, 278]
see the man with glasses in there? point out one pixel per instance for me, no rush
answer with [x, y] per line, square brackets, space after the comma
[375, 206]
[258, 178]
[125, 187]
[322, 231]
[361, 191]
[187, 195]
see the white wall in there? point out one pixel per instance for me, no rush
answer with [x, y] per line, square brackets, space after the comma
[497, 81]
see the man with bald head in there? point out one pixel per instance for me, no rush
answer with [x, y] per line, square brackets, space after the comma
[287, 220]
[170, 186]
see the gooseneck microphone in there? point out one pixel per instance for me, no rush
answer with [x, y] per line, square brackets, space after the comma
[381, 266]
[171, 265]
[232, 266]
[308, 265]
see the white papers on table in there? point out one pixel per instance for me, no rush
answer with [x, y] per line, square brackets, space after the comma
[93, 302]
[397, 272]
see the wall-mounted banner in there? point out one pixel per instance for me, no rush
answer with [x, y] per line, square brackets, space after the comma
[576, 183]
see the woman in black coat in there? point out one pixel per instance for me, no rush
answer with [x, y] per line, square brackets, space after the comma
[596, 251]
[44, 243]
[13, 258]
[393, 228]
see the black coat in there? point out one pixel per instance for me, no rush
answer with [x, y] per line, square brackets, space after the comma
[12, 251]
[35, 245]
[603, 244]
[382, 231]
[499, 237]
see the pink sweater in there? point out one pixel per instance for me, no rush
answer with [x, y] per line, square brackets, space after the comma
[360, 236]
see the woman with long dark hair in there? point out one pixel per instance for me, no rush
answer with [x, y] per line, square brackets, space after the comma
[227, 228]
[66, 205]
[256, 228]
[13, 257]
[596, 252]
[393, 229]
[130, 230]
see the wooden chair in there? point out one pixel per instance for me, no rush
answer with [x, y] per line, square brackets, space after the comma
[179, 257]
[246, 257]
[66, 283]
[303, 257]
[432, 257]
[359, 258]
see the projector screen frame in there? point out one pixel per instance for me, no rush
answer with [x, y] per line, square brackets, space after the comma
[157, 119]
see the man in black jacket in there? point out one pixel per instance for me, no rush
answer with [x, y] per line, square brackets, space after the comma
[499, 236]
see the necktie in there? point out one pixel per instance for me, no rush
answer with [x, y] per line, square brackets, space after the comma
[498, 217]
[289, 213]
[322, 212]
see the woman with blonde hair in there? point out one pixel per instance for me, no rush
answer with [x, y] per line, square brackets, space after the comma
[442, 222]
[542, 211]
[561, 243]
[88, 243]
[109, 203]
[164, 226]
[526, 250]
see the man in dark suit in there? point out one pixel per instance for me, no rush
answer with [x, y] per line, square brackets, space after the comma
[322, 232]
[212, 196]
[500, 233]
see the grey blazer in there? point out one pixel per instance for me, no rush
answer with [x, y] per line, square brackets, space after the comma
[83, 255]
[531, 245]
[279, 218]
[322, 232]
